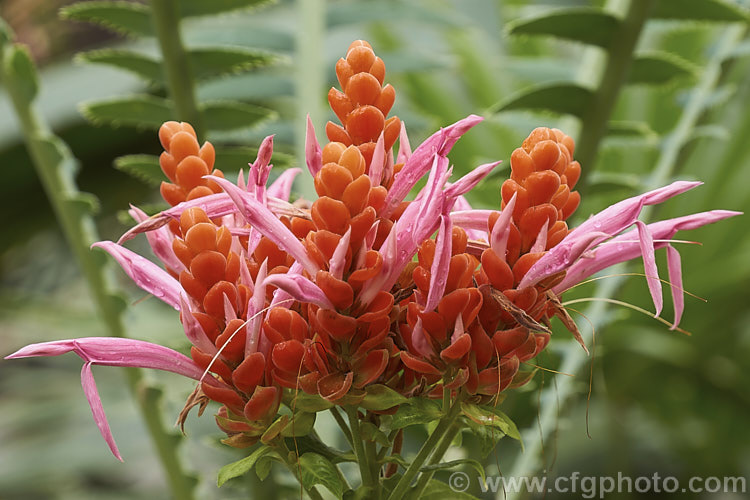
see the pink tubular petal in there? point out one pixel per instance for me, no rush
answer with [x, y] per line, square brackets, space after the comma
[419, 341]
[301, 289]
[160, 241]
[625, 246]
[646, 241]
[377, 164]
[338, 259]
[254, 310]
[440, 264]
[267, 223]
[675, 278]
[147, 275]
[609, 221]
[501, 229]
[281, 188]
[404, 148]
[468, 182]
[282, 298]
[313, 153]
[540, 245]
[97, 410]
[193, 329]
[418, 164]
[114, 351]
[262, 162]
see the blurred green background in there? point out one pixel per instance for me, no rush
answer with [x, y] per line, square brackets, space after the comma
[660, 402]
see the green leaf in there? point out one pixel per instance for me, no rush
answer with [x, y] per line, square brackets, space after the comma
[263, 465]
[299, 425]
[487, 435]
[240, 467]
[490, 416]
[438, 490]
[477, 466]
[143, 167]
[586, 25]
[416, 411]
[615, 180]
[232, 115]
[370, 432]
[128, 18]
[562, 98]
[142, 65]
[136, 110]
[368, 12]
[714, 131]
[19, 68]
[307, 443]
[699, 10]
[655, 68]
[380, 397]
[298, 400]
[316, 469]
[234, 158]
[209, 62]
[274, 429]
[191, 8]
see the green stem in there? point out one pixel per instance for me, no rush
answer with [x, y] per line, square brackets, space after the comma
[55, 167]
[372, 461]
[436, 457]
[442, 428]
[176, 63]
[359, 450]
[613, 77]
[342, 425]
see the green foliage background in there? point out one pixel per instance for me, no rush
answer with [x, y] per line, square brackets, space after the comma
[660, 401]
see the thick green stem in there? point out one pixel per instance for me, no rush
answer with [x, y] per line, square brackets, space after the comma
[359, 450]
[613, 77]
[436, 457]
[176, 63]
[372, 461]
[444, 425]
[55, 167]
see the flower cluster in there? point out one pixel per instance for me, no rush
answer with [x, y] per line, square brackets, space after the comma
[363, 287]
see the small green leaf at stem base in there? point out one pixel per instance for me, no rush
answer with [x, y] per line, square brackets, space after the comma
[380, 397]
[241, 467]
[416, 411]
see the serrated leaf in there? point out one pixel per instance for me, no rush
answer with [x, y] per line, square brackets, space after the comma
[316, 469]
[380, 397]
[655, 68]
[143, 167]
[591, 26]
[240, 467]
[416, 411]
[191, 8]
[128, 18]
[137, 110]
[232, 115]
[142, 65]
[19, 68]
[209, 62]
[561, 98]
[699, 10]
